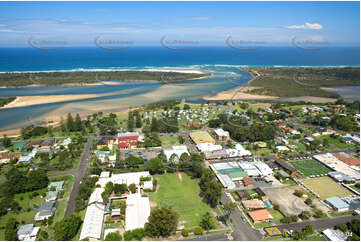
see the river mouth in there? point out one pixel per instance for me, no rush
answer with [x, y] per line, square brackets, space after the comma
[113, 98]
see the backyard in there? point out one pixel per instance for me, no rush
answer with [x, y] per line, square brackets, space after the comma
[181, 193]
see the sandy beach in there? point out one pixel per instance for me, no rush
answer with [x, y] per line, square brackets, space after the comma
[237, 93]
[23, 101]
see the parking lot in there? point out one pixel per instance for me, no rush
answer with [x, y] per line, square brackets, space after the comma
[145, 154]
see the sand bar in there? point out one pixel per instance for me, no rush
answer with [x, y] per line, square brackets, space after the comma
[237, 93]
[23, 101]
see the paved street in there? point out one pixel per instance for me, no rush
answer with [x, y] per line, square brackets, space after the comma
[243, 231]
[78, 176]
[320, 223]
[219, 237]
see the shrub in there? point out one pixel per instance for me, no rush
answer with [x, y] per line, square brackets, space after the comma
[185, 232]
[298, 193]
[198, 231]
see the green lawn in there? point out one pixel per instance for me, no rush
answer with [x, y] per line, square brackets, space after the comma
[29, 209]
[337, 142]
[183, 196]
[310, 167]
[277, 216]
[168, 141]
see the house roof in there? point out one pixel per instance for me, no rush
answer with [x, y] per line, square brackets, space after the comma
[260, 192]
[260, 215]
[348, 159]
[46, 206]
[247, 181]
[335, 235]
[137, 211]
[253, 204]
[243, 194]
[93, 222]
[25, 229]
[58, 185]
[51, 195]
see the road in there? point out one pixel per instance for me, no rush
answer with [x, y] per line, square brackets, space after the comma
[320, 223]
[78, 176]
[242, 230]
[219, 237]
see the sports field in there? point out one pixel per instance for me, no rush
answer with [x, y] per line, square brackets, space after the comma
[182, 194]
[310, 167]
[325, 187]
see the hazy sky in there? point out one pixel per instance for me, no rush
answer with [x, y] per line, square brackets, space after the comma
[208, 23]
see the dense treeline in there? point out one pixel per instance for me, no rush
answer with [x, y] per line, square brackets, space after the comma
[83, 77]
[240, 130]
[300, 81]
[24, 181]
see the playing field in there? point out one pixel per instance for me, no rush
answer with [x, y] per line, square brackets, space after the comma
[310, 167]
[182, 194]
[326, 187]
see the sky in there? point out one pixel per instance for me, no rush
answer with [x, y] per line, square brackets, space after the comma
[179, 23]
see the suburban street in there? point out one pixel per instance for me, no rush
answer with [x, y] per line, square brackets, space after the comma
[78, 176]
[319, 224]
[243, 231]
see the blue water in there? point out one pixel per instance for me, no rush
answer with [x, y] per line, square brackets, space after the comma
[222, 62]
[31, 59]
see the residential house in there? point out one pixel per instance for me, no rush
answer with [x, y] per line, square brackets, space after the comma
[253, 204]
[260, 215]
[45, 211]
[27, 232]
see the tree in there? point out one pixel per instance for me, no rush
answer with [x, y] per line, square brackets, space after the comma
[130, 121]
[186, 107]
[114, 236]
[161, 222]
[304, 215]
[155, 166]
[10, 229]
[185, 232]
[62, 125]
[308, 201]
[198, 231]
[136, 234]
[308, 230]
[138, 120]
[162, 157]
[229, 207]
[207, 221]
[70, 123]
[132, 187]
[6, 141]
[67, 228]
[298, 193]
[78, 124]
[184, 157]
[154, 127]
[342, 227]
[120, 188]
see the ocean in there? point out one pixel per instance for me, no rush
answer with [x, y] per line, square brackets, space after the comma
[222, 62]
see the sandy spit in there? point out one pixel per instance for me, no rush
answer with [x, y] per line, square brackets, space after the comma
[23, 101]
